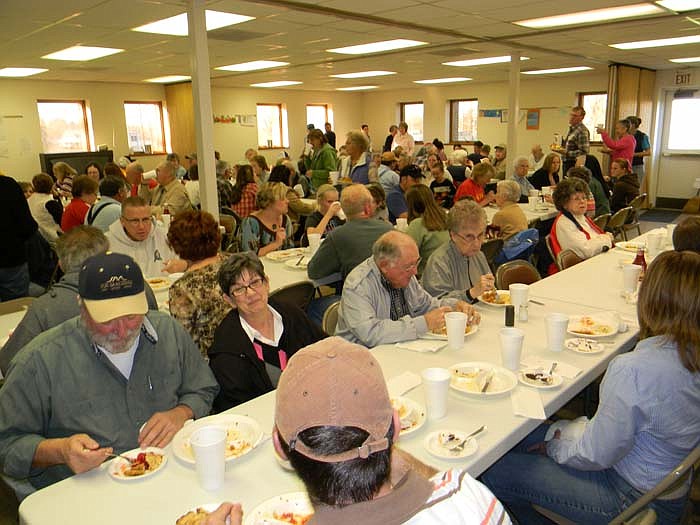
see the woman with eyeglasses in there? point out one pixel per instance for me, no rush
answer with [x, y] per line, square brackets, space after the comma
[256, 339]
[572, 229]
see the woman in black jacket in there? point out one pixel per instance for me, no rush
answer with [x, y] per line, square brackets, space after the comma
[256, 339]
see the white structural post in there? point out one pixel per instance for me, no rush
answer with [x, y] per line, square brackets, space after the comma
[203, 114]
[513, 109]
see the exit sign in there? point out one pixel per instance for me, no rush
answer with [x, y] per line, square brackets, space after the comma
[683, 78]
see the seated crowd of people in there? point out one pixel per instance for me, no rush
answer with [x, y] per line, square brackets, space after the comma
[403, 229]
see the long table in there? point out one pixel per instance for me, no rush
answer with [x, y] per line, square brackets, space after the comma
[547, 211]
[257, 476]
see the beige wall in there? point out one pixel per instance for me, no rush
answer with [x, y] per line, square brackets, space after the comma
[105, 100]
[554, 95]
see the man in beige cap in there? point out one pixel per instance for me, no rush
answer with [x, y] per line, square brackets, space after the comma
[115, 378]
[335, 423]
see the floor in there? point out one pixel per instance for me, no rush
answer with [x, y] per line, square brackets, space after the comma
[8, 503]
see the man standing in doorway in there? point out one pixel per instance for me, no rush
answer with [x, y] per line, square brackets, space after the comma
[578, 138]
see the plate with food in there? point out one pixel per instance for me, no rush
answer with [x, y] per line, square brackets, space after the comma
[539, 378]
[300, 263]
[283, 255]
[482, 379]
[159, 283]
[243, 434]
[581, 345]
[198, 515]
[442, 332]
[451, 444]
[411, 413]
[630, 246]
[498, 298]
[593, 327]
[293, 509]
[144, 463]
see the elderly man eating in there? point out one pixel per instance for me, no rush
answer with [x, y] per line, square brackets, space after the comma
[114, 378]
[382, 301]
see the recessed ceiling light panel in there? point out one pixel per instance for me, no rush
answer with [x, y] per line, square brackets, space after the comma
[82, 53]
[377, 47]
[177, 25]
[588, 17]
[168, 79]
[253, 66]
[680, 5]
[557, 70]
[685, 60]
[481, 61]
[365, 74]
[357, 88]
[661, 42]
[441, 80]
[277, 83]
[20, 71]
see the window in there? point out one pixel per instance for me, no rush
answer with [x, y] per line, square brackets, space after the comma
[595, 105]
[144, 126]
[412, 114]
[318, 115]
[682, 126]
[64, 125]
[463, 118]
[272, 126]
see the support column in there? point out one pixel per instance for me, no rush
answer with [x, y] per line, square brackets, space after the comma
[513, 109]
[203, 113]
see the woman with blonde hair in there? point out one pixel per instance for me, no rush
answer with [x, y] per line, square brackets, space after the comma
[269, 228]
[63, 173]
[647, 422]
[427, 222]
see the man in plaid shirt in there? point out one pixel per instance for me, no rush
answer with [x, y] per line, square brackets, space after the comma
[577, 141]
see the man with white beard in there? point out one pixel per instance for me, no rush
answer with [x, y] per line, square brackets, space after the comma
[115, 378]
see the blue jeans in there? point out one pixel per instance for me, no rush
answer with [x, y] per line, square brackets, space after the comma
[520, 479]
[14, 282]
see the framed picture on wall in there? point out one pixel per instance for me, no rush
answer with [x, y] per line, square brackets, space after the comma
[533, 119]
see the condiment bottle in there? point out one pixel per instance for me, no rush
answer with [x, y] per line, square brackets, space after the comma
[639, 260]
[510, 315]
[522, 313]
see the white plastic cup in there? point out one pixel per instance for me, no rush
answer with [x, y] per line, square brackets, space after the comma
[630, 277]
[669, 234]
[655, 242]
[556, 325]
[165, 218]
[209, 447]
[511, 347]
[456, 323]
[518, 295]
[401, 224]
[334, 175]
[340, 213]
[148, 175]
[436, 384]
[533, 201]
[314, 241]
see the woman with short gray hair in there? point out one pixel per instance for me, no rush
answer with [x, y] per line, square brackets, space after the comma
[269, 228]
[510, 219]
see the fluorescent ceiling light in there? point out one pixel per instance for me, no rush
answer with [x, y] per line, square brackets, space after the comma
[168, 79]
[587, 17]
[252, 66]
[643, 44]
[376, 47]
[357, 88]
[558, 70]
[277, 83]
[364, 74]
[20, 71]
[441, 80]
[82, 53]
[684, 60]
[177, 25]
[481, 61]
[680, 5]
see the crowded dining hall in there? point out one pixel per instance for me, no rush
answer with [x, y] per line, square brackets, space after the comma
[311, 263]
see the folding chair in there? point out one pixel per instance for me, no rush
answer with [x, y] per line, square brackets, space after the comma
[602, 220]
[616, 224]
[491, 249]
[330, 318]
[567, 259]
[632, 221]
[517, 271]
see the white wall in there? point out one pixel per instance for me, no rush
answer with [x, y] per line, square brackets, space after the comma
[20, 119]
[554, 95]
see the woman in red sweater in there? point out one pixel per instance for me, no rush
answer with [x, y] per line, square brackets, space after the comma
[474, 186]
[84, 195]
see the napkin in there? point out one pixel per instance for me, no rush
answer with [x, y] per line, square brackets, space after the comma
[563, 369]
[422, 345]
[527, 403]
[399, 385]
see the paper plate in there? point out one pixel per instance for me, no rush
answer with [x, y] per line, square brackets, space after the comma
[117, 466]
[158, 284]
[438, 444]
[557, 380]
[291, 508]
[299, 263]
[411, 413]
[283, 255]
[469, 378]
[503, 295]
[592, 326]
[198, 513]
[581, 345]
[471, 330]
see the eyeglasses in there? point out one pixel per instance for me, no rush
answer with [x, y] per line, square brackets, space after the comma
[412, 266]
[136, 222]
[579, 197]
[255, 284]
[471, 238]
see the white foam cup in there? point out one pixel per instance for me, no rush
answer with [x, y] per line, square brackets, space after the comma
[209, 447]
[456, 323]
[436, 384]
[401, 224]
[533, 201]
[334, 175]
[630, 277]
[511, 347]
[165, 218]
[518, 295]
[556, 325]
[314, 241]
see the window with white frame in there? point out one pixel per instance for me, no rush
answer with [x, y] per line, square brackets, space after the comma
[463, 120]
[412, 115]
[145, 127]
[64, 125]
[272, 126]
[595, 105]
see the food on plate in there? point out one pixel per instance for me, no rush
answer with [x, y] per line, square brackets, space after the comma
[293, 518]
[443, 330]
[471, 379]
[236, 445]
[585, 346]
[449, 440]
[281, 255]
[144, 462]
[589, 326]
[193, 517]
[538, 378]
[157, 282]
[494, 297]
[409, 415]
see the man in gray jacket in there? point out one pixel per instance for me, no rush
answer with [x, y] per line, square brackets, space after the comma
[382, 301]
[60, 302]
[108, 381]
